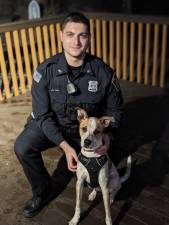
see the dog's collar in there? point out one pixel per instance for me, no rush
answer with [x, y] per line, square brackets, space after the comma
[84, 149]
[100, 160]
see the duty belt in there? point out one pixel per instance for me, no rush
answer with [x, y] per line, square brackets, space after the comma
[93, 166]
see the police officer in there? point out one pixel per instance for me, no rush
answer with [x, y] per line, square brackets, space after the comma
[60, 84]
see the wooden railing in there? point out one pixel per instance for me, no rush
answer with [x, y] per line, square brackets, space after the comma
[136, 46]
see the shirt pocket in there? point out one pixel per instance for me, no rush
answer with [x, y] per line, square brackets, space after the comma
[58, 101]
[92, 103]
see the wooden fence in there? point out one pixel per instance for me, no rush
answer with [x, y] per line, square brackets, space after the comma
[136, 46]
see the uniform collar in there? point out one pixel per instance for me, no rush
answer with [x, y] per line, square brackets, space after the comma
[62, 66]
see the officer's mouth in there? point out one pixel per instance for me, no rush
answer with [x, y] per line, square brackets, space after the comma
[76, 48]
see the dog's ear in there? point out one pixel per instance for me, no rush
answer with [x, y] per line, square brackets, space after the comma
[105, 120]
[81, 114]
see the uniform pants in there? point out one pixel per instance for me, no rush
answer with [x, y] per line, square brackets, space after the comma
[28, 147]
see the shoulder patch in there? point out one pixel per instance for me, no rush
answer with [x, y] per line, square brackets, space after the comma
[115, 82]
[37, 76]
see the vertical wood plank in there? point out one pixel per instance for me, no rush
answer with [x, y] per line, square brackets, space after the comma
[52, 39]
[26, 58]
[4, 72]
[1, 96]
[163, 56]
[147, 54]
[125, 49]
[58, 30]
[111, 44]
[92, 37]
[12, 63]
[19, 61]
[98, 38]
[139, 53]
[155, 55]
[32, 47]
[132, 40]
[104, 32]
[39, 44]
[46, 41]
[118, 49]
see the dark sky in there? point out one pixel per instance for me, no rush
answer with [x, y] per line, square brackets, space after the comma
[156, 7]
[16, 10]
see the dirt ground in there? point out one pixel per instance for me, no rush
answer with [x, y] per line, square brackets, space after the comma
[14, 188]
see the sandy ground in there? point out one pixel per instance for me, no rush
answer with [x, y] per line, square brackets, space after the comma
[14, 188]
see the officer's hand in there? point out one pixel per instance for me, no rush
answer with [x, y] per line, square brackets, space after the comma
[105, 147]
[71, 156]
[72, 159]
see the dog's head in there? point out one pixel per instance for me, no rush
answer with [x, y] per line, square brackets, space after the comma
[91, 129]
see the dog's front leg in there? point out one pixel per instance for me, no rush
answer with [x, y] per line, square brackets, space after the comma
[103, 182]
[79, 190]
[106, 199]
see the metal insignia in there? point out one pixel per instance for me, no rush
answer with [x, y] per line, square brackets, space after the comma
[37, 76]
[93, 86]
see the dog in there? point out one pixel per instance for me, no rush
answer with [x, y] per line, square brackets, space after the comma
[91, 133]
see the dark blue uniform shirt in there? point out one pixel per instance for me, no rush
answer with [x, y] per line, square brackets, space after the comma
[98, 92]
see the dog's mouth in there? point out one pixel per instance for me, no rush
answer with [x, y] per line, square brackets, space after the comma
[91, 148]
[88, 149]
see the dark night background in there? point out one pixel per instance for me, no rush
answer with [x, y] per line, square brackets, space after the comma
[17, 10]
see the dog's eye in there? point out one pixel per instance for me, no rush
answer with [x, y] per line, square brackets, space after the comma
[84, 129]
[96, 131]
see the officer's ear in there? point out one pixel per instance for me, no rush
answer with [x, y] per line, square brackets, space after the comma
[81, 114]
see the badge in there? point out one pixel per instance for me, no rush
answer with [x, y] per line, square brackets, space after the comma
[37, 76]
[93, 86]
[115, 83]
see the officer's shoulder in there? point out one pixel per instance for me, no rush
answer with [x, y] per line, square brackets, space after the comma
[52, 60]
[99, 66]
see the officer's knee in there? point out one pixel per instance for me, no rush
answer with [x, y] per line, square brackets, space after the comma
[21, 148]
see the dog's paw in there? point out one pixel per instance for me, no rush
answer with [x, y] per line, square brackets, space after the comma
[92, 195]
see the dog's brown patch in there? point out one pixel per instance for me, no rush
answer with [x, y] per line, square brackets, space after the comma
[83, 126]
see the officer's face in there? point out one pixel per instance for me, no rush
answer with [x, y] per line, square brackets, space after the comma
[75, 39]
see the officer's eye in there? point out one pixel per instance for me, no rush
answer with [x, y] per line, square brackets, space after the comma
[69, 34]
[96, 131]
[84, 35]
[84, 129]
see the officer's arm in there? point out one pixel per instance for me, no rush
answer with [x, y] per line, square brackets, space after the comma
[113, 104]
[41, 108]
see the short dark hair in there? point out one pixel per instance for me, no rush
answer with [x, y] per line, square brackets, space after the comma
[75, 17]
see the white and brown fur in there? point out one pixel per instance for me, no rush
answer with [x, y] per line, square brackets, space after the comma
[109, 180]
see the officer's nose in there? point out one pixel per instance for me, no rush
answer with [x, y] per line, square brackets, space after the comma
[76, 41]
[87, 142]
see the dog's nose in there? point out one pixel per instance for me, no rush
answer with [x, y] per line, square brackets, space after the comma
[87, 142]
